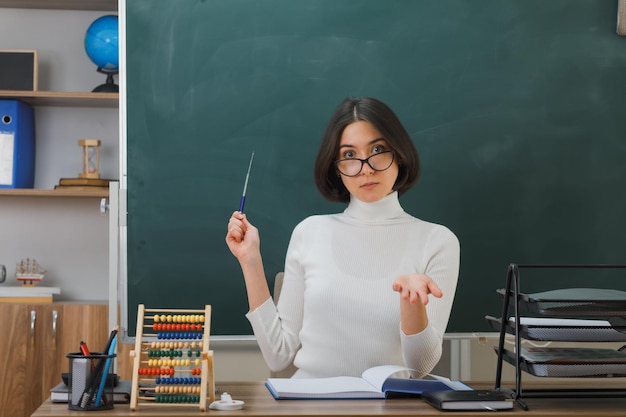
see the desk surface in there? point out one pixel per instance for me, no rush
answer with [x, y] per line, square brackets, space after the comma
[259, 403]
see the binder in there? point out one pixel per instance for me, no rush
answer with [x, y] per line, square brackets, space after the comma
[17, 145]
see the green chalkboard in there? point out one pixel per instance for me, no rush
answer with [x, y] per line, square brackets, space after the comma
[517, 107]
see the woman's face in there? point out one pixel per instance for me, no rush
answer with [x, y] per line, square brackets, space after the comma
[362, 140]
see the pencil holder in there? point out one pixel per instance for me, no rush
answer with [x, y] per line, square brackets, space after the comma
[91, 381]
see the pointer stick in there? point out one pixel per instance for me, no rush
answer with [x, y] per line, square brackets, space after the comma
[245, 186]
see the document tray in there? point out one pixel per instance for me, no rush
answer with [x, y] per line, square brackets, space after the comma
[596, 363]
[572, 302]
[562, 330]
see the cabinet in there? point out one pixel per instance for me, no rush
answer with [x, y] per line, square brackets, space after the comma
[36, 339]
[578, 315]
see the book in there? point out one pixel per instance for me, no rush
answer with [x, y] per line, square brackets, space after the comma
[82, 187]
[488, 400]
[28, 294]
[121, 392]
[98, 182]
[376, 382]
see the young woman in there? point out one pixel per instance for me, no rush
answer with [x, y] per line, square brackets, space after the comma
[369, 286]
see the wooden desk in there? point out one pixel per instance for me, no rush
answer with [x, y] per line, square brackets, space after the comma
[259, 403]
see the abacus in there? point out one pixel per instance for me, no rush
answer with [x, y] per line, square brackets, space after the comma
[172, 363]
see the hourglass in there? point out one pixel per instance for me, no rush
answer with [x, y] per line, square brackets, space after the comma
[91, 158]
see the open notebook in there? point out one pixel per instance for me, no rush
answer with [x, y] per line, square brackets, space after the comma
[376, 382]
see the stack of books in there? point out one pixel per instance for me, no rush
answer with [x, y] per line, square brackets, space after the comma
[83, 184]
[121, 392]
[27, 294]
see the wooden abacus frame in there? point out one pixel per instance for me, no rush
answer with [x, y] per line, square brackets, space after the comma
[143, 345]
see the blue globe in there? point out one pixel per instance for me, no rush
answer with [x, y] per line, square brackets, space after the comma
[101, 43]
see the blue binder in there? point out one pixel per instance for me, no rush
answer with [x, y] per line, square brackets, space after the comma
[17, 145]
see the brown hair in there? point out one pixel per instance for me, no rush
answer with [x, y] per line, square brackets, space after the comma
[387, 123]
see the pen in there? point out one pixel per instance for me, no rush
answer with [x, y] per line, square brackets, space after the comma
[85, 351]
[111, 337]
[245, 186]
[105, 372]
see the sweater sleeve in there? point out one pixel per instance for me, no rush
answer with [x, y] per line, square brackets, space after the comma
[277, 326]
[422, 351]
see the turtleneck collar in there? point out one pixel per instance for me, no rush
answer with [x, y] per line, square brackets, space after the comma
[384, 209]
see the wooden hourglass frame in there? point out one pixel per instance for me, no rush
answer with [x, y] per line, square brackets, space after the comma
[91, 158]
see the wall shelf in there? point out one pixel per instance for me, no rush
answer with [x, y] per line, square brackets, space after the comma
[63, 99]
[103, 5]
[33, 192]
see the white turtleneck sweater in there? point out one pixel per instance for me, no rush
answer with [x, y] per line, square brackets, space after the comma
[337, 313]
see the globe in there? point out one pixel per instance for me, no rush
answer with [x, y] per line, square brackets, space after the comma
[102, 47]
[101, 42]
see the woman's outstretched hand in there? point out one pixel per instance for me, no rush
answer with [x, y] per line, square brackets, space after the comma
[416, 287]
[415, 290]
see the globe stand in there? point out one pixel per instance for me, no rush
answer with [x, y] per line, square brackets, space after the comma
[109, 86]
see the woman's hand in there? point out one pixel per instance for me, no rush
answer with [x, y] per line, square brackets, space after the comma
[416, 287]
[414, 291]
[243, 241]
[242, 237]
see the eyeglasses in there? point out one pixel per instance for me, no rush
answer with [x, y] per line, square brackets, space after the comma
[351, 167]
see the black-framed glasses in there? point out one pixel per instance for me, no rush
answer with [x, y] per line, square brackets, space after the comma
[351, 167]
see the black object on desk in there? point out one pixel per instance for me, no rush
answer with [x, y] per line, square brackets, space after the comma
[490, 400]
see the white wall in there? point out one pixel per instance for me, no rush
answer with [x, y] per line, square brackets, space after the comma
[67, 236]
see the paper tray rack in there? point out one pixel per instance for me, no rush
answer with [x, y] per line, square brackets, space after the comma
[579, 303]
